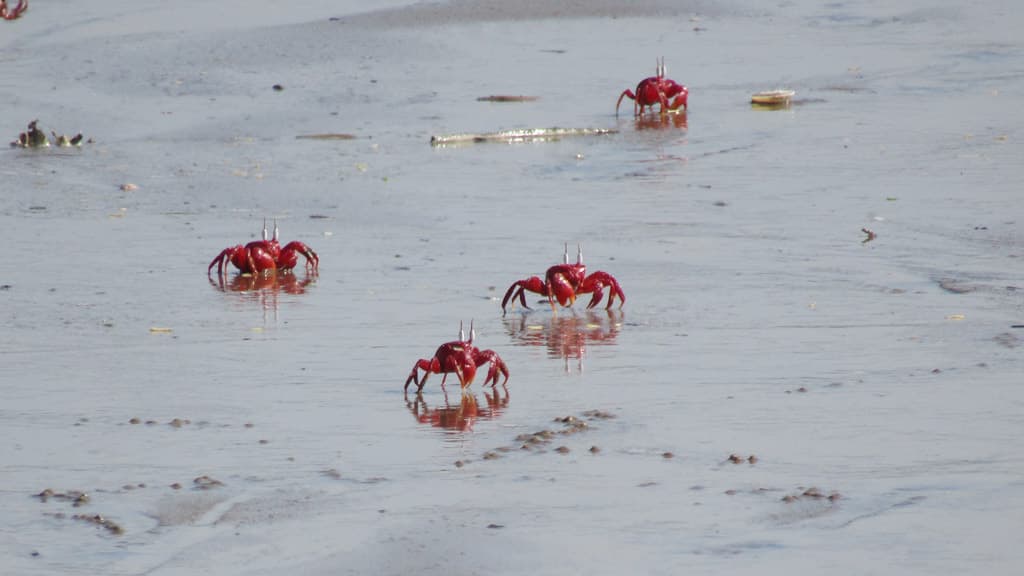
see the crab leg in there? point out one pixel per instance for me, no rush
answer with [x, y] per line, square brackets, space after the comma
[12, 14]
[518, 290]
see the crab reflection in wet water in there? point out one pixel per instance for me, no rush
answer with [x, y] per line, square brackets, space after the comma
[460, 417]
[661, 121]
[566, 336]
[265, 288]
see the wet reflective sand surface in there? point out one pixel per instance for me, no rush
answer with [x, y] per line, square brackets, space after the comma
[817, 367]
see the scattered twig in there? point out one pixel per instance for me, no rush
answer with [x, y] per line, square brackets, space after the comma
[507, 98]
[518, 135]
[328, 136]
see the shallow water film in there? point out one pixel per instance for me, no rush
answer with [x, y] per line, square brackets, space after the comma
[817, 367]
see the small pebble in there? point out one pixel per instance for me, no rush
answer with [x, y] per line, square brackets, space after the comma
[205, 482]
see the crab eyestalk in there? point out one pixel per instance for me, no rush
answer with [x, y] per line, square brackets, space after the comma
[462, 333]
[275, 229]
[264, 229]
[579, 254]
[472, 332]
[565, 258]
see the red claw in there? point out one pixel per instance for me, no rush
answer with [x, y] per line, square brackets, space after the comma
[264, 256]
[564, 283]
[459, 357]
[667, 93]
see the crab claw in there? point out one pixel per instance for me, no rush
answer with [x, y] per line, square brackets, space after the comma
[560, 289]
[680, 100]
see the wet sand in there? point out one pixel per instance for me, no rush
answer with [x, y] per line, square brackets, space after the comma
[261, 427]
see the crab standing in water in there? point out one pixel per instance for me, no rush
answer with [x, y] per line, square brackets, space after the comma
[461, 358]
[564, 282]
[656, 90]
[12, 14]
[265, 255]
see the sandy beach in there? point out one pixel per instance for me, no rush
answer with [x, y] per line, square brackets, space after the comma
[817, 368]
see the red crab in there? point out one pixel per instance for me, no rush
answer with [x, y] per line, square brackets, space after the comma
[656, 90]
[12, 14]
[564, 282]
[264, 255]
[462, 358]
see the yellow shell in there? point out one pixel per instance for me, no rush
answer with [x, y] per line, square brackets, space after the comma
[772, 97]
